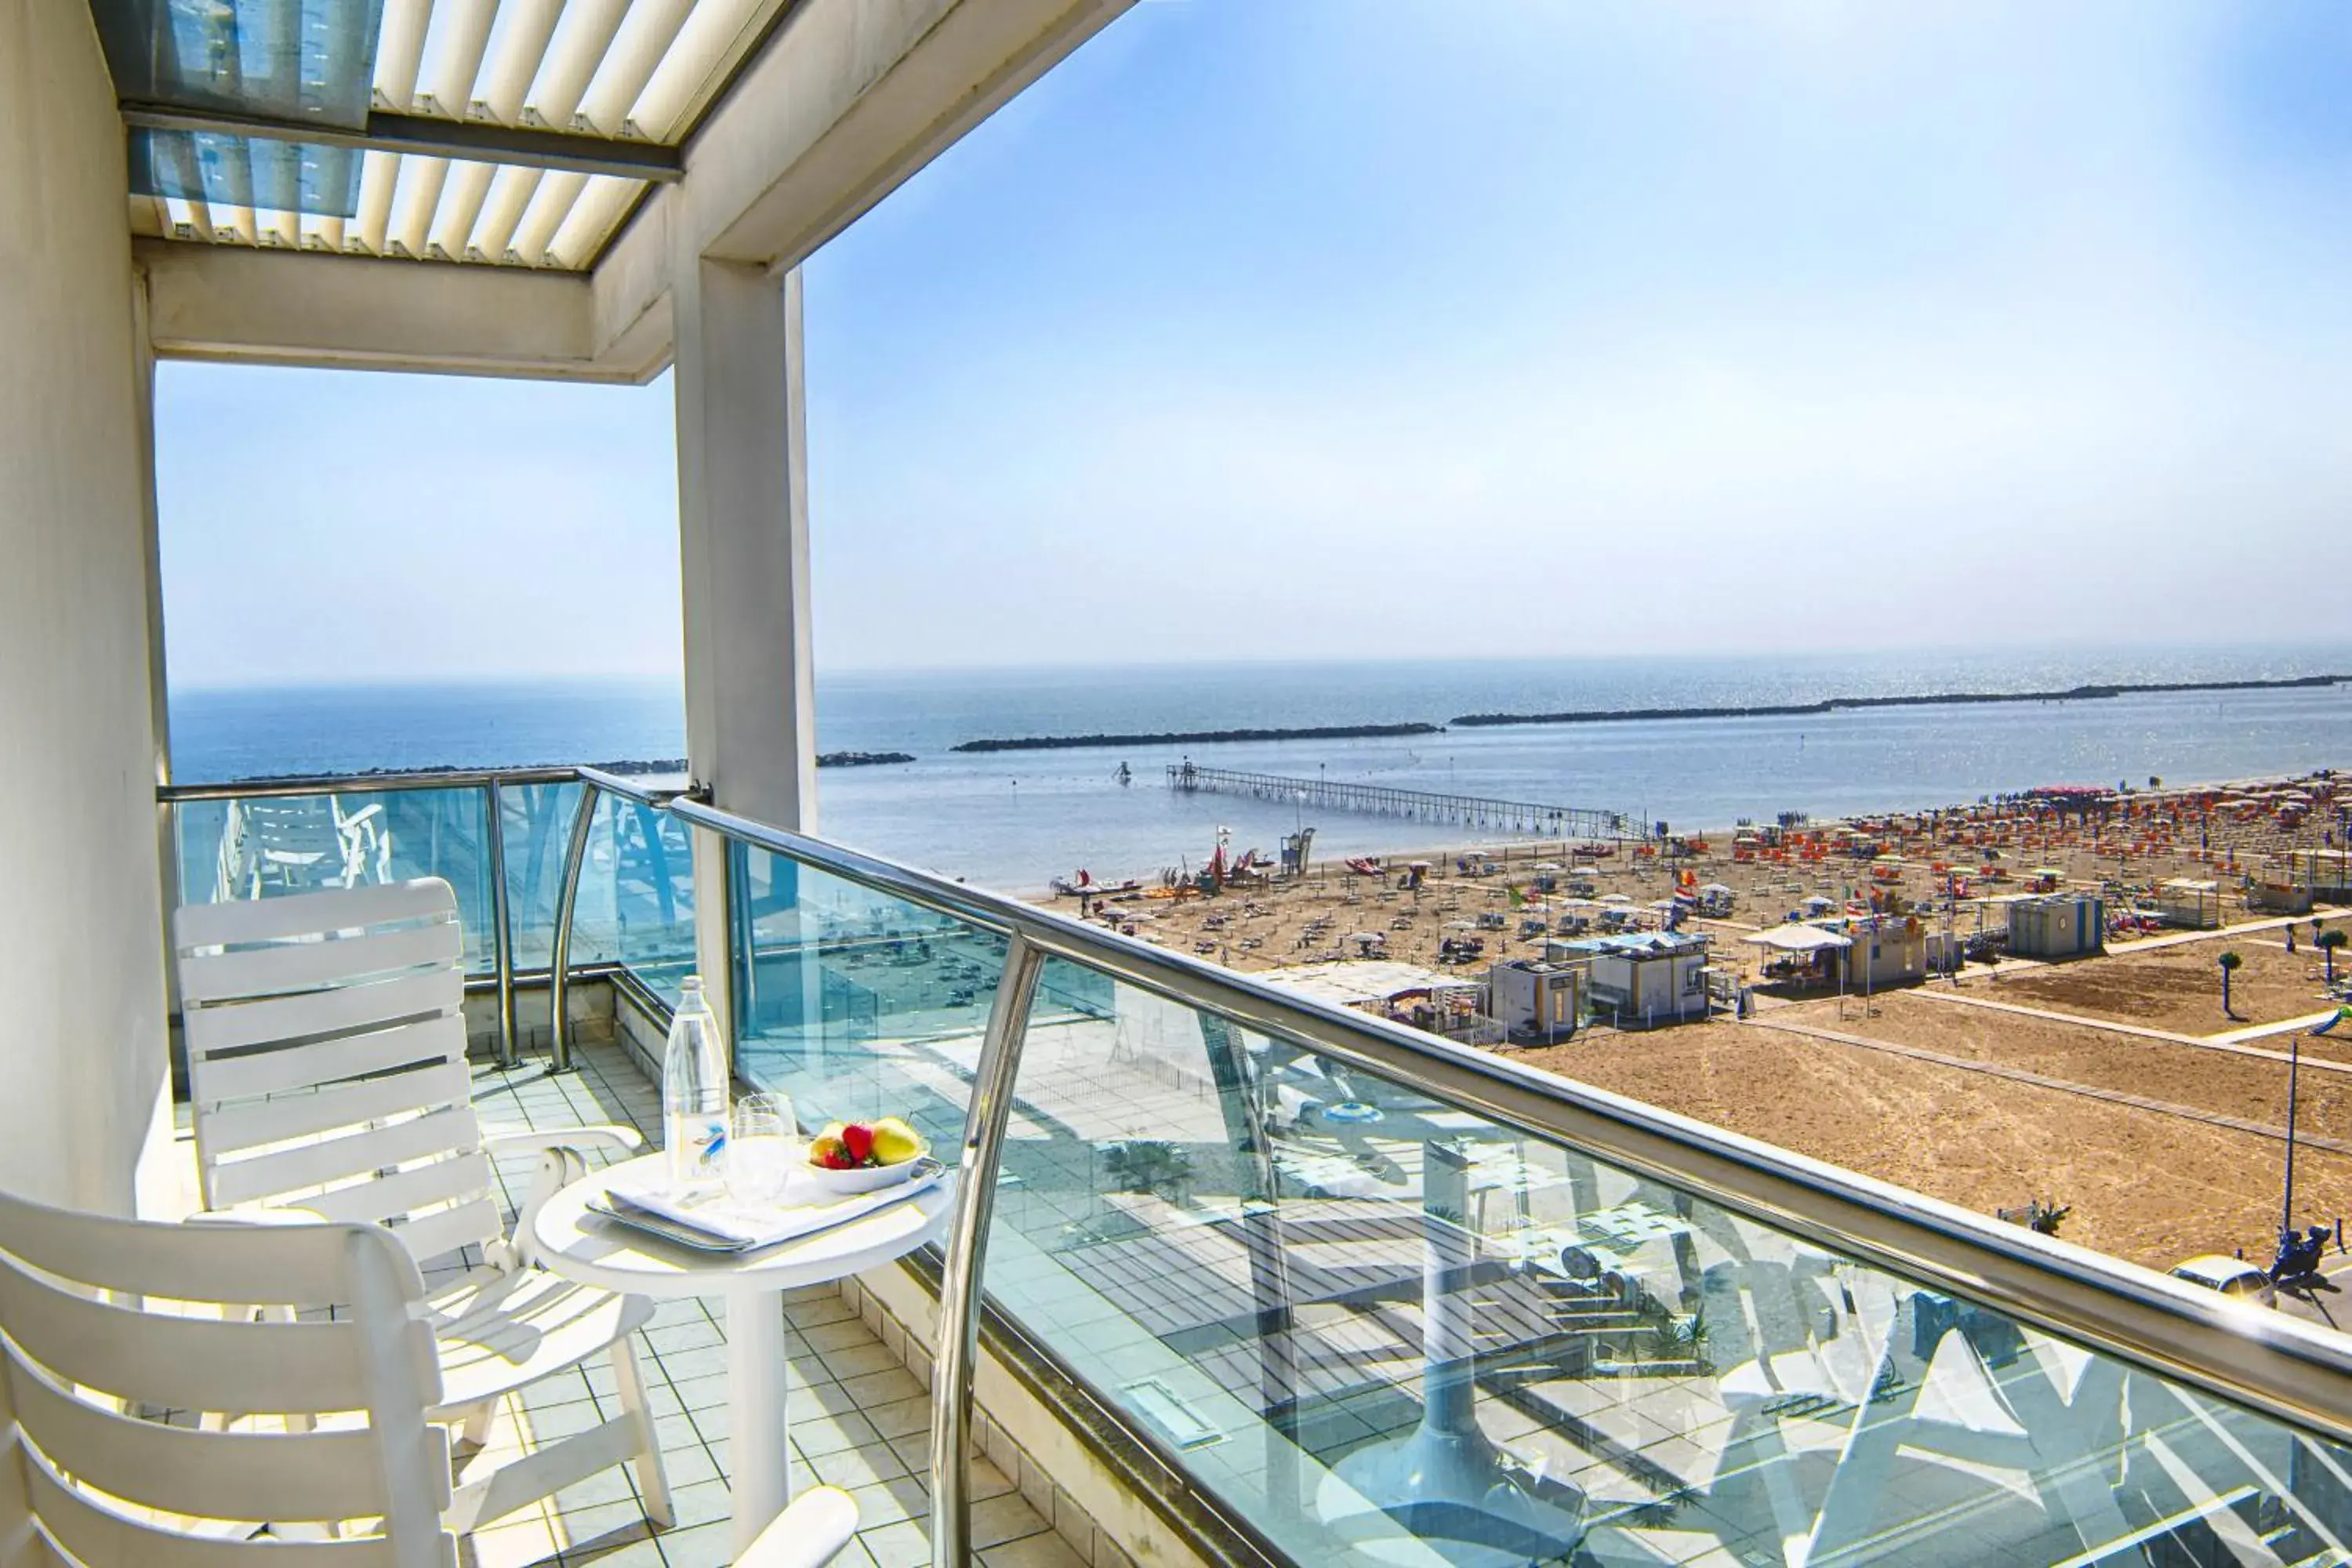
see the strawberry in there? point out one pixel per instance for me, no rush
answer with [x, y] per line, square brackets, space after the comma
[838, 1160]
[858, 1140]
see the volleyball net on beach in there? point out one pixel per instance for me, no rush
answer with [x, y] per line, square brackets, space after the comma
[1430, 806]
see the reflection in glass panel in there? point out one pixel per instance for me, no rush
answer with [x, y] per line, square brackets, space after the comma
[859, 1004]
[641, 868]
[636, 902]
[856, 1004]
[538, 821]
[269, 845]
[1381, 1328]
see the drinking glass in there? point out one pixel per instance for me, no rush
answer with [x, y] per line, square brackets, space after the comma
[765, 1146]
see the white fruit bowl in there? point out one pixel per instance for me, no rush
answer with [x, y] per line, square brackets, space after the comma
[864, 1178]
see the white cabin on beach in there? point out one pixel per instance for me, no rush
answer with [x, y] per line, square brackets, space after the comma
[1531, 996]
[2060, 925]
[1645, 977]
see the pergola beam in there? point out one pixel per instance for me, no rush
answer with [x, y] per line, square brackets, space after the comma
[236, 305]
[469, 141]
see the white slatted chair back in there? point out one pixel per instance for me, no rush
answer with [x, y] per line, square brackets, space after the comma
[326, 1044]
[104, 1320]
[295, 842]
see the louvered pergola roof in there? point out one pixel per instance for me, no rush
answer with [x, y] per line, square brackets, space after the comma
[499, 132]
[532, 188]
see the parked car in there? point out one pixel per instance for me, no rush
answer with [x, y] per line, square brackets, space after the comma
[2232, 1277]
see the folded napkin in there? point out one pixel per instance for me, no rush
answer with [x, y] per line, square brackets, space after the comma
[717, 1221]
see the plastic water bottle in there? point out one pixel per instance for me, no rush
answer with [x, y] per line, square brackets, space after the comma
[695, 1094]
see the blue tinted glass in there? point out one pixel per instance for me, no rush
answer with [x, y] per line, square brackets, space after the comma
[246, 171]
[641, 872]
[262, 846]
[537, 821]
[280, 59]
[1380, 1328]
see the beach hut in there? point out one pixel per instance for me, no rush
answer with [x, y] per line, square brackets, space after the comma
[2188, 903]
[1894, 951]
[1536, 998]
[2060, 925]
[1643, 977]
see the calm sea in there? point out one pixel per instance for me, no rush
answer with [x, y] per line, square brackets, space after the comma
[1014, 819]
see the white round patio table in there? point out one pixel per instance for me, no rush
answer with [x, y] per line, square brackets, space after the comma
[581, 1245]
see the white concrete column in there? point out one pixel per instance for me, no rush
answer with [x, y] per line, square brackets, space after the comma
[750, 710]
[159, 1183]
[82, 1049]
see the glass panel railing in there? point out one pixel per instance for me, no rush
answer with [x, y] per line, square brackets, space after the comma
[860, 1004]
[1377, 1328]
[537, 818]
[856, 1004]
[636, 895]
[267, 846]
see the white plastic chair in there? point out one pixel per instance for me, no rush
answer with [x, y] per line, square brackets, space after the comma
[104, 1321]
[326, 1049]
[299, 841]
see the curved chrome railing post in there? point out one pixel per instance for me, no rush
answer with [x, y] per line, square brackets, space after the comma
[957, 1343]
[558, 977]
[494, 840]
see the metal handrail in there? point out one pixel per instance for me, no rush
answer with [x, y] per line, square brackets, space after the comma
[628, 788]
[361, 783]
[2267, 1362]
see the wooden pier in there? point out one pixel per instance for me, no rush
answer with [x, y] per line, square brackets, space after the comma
[1385, 800]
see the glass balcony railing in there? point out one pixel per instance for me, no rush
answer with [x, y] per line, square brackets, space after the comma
[1365, 1295]
[502, 840]
[261, 845]
[1376, 1298]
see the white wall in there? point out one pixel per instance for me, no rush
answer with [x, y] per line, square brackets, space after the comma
[82, 1063]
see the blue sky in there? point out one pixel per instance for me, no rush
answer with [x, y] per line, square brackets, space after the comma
[1273, 329]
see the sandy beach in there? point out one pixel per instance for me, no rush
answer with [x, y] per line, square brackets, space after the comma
[2018, 1078]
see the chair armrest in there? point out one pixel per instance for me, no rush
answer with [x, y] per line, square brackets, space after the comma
[560, 1164]
[619, 1140]
[808, 1534]
[276, 1215]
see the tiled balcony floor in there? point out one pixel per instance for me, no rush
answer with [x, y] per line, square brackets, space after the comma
[859, 1419]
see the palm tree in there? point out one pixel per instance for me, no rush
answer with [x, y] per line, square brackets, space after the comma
[2329, 941]
[2230, 962]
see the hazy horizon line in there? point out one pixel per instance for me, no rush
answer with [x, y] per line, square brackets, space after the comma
[2301, 649]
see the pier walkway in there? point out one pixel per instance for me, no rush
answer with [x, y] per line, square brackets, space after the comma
[1385, 800]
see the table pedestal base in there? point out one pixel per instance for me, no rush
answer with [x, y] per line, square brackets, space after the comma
[761, 1479]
